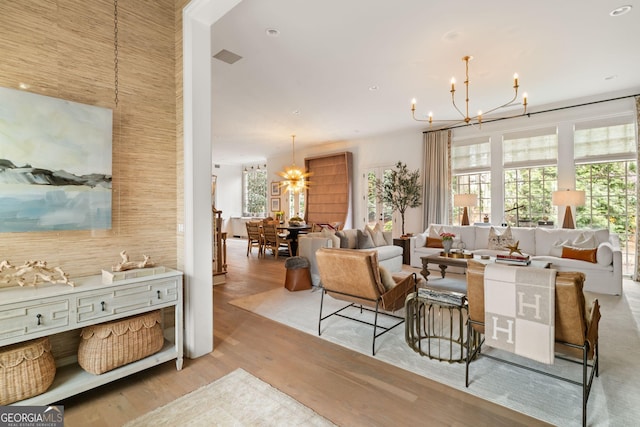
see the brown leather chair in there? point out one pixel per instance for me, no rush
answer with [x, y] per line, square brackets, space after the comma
[576, 325]
[354, 276]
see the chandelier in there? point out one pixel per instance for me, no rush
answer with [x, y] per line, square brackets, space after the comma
[294, 177]
[465, 117]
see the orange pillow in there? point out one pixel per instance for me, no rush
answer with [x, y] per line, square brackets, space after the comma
[579, 253]
[432, 242]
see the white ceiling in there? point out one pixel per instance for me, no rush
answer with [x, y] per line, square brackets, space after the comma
[329, 53]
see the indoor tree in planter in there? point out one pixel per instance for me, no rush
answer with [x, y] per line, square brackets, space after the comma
[400, 189]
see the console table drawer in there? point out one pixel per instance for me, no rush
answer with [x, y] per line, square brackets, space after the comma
[126, 299]
[31, 318]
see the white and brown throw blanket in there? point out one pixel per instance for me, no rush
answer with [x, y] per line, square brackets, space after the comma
[519, 304]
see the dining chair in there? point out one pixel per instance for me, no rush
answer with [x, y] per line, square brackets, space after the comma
[273, 240]
[254, 237]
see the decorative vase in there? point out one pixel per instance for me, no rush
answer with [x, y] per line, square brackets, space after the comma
[446, 244]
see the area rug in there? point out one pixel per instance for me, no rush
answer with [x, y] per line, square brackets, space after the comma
[614, 399]
[237, 399]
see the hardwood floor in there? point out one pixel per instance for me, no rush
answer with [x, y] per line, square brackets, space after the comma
[346, 387]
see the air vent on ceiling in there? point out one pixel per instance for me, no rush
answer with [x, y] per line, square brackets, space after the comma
[226, 56]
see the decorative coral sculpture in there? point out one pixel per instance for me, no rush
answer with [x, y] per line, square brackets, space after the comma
[125, 264]
[31, 273]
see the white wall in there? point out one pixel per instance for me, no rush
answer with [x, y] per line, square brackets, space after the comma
[228, 191]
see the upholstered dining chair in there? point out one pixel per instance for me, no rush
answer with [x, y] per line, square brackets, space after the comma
[254, 237]
[354, 276]
[576, 326]
[273, 240]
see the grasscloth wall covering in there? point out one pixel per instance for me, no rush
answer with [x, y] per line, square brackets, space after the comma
[64, 49]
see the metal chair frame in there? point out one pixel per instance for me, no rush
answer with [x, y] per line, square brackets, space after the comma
[586, 383]
[377, 311]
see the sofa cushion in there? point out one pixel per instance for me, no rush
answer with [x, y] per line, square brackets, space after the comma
[344, 240]
[364, 240]
[579, 253]
[500, 241]
[585, 240]
[350, 237]
[604, 254]
[556, 247]
[376, 234]
[388, 252]
[386, 278]
[433, 242]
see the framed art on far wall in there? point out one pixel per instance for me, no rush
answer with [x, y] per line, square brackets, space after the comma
[275, 204]
[275, 189]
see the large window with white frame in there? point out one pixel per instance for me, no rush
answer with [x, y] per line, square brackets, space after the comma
[254, 193]
[606, 169]
[471, 174]
[530, 176]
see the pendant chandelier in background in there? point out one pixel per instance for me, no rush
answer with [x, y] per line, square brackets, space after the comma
[295, 178]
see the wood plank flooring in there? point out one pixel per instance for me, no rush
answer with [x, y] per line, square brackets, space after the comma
[346, 387]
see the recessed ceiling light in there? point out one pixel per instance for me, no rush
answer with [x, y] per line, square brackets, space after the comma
[620, 10]
[296, 112]
[611, 77]
[373, 88]
[272, 32]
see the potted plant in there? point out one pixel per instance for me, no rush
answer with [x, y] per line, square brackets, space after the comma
[400, 189]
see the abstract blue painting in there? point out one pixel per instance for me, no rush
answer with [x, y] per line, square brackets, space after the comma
[55, 164]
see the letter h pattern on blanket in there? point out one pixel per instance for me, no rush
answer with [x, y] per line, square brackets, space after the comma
[520, 310]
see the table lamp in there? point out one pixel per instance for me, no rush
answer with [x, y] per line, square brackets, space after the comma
[568, 198]
[462, 201]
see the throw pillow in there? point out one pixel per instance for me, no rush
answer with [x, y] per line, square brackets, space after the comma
[344, 240]
[387, 279]
[498, 241]
[556, 248]
[604, 254]
[432, 242]
[435, 232]
[376, 235]
[584, 241]
[364, 240]
[581, 254]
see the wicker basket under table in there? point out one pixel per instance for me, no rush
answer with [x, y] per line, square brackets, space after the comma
[26, 369]
[106, 346]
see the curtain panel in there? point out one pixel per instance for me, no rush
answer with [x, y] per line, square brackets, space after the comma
[437, 177]
[636, 272]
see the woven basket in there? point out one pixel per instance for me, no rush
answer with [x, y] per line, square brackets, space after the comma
[109, 345]
[26, 369]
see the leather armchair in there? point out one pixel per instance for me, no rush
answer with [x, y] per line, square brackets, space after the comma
[576, 323]
[354, 276]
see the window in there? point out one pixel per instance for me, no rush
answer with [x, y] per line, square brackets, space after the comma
[530, 176]
[607, 171]
[255, 193]
[471, 164]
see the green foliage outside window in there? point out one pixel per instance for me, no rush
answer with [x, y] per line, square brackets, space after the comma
[610, 196]
[256, 193]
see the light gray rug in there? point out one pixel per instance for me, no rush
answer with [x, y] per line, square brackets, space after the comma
[614, 400]
[238, 399]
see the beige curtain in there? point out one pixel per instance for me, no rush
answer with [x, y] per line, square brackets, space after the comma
[636, 270]
[437, 177]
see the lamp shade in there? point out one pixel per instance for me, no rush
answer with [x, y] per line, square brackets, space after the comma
[568, 198]
[463, 200]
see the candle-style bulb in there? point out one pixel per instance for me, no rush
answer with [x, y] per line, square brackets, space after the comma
[453, 84]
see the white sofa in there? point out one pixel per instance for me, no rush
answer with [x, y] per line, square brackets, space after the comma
[544, 244]
[389, 256]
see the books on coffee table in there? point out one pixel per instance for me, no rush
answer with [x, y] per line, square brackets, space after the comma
[513, 259]
[448, 297]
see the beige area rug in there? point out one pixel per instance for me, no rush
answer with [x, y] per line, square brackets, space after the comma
[614, 400]
[238, 399]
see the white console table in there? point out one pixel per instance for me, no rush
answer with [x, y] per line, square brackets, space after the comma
[32, 312]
